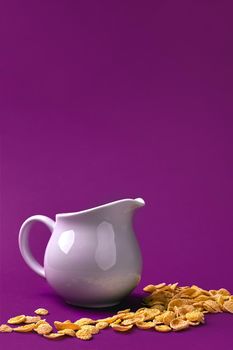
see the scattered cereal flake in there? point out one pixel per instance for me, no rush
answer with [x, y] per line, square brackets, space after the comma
[67, 331]
[120, 328]
[220, 300]
[163, 328]
[179, 324]
[65, 325]
[182, 310]
[53, 335]
[160, 285]
[41, 311]
[24, 329]
[84, 334]
[158, 319]
[123, 311]
[194, 323]
[158, 307]
[17, 319]
[130, 321]
[32, 319]
[117, 321]
[211, 306]
[149, 289]
[39, 323]
[142, 309]
[195, 316]
[102, 325]
[202, 298]
[91, 328]
[228, 306]
[178, 302]
[189, 292]
[126, 316]
[145, 325]
[44, 328]
[168, 316]
[109, 319]
[150, 314]
[4, 328]
[173, 286]
[224, 291]
[84, 321]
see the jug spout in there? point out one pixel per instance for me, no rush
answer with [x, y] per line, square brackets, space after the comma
[129, 205]
[139, 202]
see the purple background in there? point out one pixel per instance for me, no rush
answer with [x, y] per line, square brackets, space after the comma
[102, 100]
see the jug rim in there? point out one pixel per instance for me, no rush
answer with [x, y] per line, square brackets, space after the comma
[140, 202]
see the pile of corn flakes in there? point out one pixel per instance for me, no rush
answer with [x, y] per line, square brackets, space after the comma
[167, 308]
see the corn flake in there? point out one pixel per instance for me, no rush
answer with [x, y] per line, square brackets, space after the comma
[17, 319]
[163, 328]
[67, 331]
[41, 311]
[4, 328]
[24, 329]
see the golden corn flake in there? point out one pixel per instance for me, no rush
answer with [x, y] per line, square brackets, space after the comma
[182, 310]
[102, 325]
[228, 306]
[141, 309]
[120, 328]
[163, 328]
[178, 303]
[150, 314]
[44, 328]
[168, 316]
[158, 307]
[32, 319]
[41, 311]
[67, 331]
[129, 321]
[54, 336]
[160, 285]
[123, 311]
[149, 289]
[26, 328]
[224, 291]
[195, 323]
[159, 319]
[145, 325]
[4, 328]
[126, 316]
[220, 300]
[84, 334]
[90, 328]
[84, 321]
[117, 321]
[65, 325]
[17, 319]
[194, 316]
[211, 306]
[39, 323]
[179, 324]
[109, 319]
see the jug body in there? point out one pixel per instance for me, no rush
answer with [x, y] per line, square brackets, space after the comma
[94, 263]
[92, 258]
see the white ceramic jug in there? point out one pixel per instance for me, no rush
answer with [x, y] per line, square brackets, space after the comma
[92, 258]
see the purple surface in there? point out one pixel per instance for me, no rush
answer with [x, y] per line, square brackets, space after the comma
[102, 100]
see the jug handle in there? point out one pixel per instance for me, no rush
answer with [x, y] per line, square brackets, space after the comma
[24, 245]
